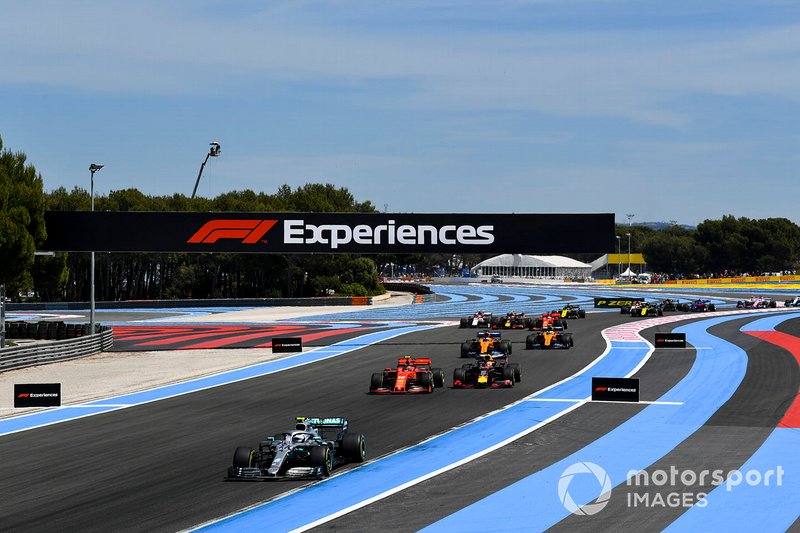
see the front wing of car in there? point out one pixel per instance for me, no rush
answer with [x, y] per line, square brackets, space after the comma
[251, 473]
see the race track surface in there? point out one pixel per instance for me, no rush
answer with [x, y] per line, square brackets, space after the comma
[159, 466]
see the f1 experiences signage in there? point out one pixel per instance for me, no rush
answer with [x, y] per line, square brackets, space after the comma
[670, 340]
[287, 344]
[615, 389]
[37, 394]
[299, 233]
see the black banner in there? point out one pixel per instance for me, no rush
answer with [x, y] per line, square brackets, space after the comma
[287, 344]
[299, 233]
[615, 389]
[670, 340]
[615, 302]
[37, 394]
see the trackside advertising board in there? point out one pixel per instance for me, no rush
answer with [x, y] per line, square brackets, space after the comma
[37, 394]
[615, 389]
[299, 233]
[670, 340]
[615, 302]
[287, 344]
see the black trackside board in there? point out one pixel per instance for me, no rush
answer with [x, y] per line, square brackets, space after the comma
[300, 233]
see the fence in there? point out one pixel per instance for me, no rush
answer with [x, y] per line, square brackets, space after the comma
[39, 354]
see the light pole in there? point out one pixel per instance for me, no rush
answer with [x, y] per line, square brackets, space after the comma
[94, 167]
[629, 251]
[619, 259]
[630, 217]
[212, 152]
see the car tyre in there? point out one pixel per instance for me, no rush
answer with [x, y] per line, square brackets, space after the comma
[321, 457]
[243, 457]
[425, 380]
[354, 447]
[465, 346]
[376, 382]
[438, 377]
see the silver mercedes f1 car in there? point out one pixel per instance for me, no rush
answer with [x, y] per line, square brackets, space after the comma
[312, 450]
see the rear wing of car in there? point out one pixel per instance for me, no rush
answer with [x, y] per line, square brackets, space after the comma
[413, 361]
[488, 334]
[325, 424]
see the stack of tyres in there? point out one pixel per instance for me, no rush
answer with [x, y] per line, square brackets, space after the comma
[12, 330]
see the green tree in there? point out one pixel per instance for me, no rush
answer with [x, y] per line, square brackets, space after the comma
[22, 227]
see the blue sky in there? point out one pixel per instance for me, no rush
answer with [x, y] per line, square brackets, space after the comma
[679, 110]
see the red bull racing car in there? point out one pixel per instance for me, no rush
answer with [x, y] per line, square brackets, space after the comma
[510, 320]
[412, 375]
[487, 372]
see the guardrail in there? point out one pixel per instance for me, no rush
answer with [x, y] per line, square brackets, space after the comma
[39, 354]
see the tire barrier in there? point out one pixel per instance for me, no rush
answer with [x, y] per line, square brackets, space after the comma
[48, 330]
[416, 288]
[59, 350]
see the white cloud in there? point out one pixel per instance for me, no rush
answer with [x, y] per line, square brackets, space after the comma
[157, 48]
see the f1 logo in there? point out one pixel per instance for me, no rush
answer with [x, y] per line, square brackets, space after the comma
[249, 231]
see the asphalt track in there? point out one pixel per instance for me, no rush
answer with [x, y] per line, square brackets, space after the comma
[159, 466]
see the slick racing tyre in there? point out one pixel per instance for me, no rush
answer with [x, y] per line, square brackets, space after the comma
[465, 346]
[243, 457]
[438, 377]
[354, 447]
[321, 457]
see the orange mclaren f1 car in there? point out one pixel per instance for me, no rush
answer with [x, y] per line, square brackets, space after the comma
[485, 342]
[549, 338]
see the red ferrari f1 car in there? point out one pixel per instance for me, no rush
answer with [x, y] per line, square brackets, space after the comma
[412, 375]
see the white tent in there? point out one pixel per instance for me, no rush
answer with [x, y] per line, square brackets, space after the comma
[628, 273]
[532, 266]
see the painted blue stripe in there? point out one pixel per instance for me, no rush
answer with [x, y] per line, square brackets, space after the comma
[758, 507]
[768, 323]
[351, 488]
[533, 503]
[762, 507]
[627, 356]
[64, 414]
[322, 499]
[54, 416]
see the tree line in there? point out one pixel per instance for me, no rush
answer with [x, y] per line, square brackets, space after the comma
[133, 276]
[729, 246]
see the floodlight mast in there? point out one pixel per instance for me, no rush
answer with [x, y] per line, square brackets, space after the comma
[213, 151]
